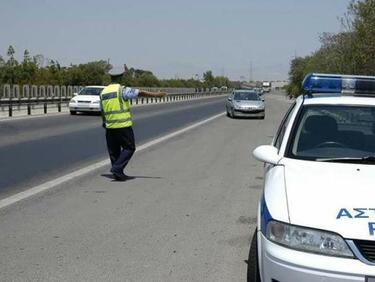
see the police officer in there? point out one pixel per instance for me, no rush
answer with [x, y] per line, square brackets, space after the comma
[117, 120]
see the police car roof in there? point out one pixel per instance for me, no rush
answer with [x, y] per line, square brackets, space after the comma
[338, 100]
[340, 89]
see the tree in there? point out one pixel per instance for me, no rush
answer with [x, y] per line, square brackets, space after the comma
[363, 29]
[2, 62]
[208, 79]
[349, 52]
[26, 57]
[11, 52]
[40, 70]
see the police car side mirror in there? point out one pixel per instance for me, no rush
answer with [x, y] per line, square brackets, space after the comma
[267, 154]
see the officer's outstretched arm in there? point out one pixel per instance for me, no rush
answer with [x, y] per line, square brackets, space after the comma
[151, 94]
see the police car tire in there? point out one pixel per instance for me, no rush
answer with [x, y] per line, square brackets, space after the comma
[253, 266]
[73, 113]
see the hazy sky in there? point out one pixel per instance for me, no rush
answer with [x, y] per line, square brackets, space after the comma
[171, 37]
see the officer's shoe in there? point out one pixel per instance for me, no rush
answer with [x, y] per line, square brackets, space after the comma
[121, 176]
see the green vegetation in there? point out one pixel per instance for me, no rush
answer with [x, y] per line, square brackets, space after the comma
[40, 71]
[349, 52]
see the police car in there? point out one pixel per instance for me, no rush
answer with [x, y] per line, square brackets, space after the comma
[316, 219]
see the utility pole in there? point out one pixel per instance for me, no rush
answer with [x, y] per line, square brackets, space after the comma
[251, 72]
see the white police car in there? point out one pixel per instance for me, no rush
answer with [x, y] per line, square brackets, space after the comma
[316, 217]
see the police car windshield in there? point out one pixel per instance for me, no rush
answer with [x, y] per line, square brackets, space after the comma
[324, 132]
[95, 91]
[246, 96]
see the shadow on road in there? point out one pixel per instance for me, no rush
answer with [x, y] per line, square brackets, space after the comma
[110, 176]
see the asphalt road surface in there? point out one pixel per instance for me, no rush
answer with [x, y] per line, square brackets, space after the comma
[39, 149]
[187, 216]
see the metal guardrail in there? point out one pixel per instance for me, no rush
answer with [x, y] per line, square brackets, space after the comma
[59, 96]
[46, 93]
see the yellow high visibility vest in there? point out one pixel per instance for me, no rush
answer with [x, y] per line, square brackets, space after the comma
[115, 110]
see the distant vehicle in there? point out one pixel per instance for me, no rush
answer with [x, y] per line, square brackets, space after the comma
[259, 91]
[316, 219]
[87, 100]
[266, 86]
[245, 103]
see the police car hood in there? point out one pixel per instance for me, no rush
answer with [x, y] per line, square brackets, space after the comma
[336, 197]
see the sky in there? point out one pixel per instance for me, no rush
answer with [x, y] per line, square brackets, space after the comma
[174, 39]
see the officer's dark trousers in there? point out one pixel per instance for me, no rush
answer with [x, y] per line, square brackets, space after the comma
[121, 147]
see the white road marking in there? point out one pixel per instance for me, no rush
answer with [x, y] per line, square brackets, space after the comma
[53, 183]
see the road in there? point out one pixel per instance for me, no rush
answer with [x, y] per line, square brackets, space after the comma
[37, 150]
[187, 216]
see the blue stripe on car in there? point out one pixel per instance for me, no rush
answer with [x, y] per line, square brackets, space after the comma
[265, 216]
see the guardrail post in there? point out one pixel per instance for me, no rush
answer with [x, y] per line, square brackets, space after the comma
[10, 110]
[42, 92]
[136, 101]
[17, 95]
[28, 109]
[59, 107]
[45, 107]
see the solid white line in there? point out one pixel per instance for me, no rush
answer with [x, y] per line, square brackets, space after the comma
[53, 183]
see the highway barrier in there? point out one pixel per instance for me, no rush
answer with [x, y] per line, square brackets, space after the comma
[32, 97]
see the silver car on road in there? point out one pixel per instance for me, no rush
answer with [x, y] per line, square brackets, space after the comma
[245, 103]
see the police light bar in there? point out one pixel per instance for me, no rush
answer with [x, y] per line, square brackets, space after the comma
[335, 83]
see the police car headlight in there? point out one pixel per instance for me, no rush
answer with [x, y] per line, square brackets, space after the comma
[307, 240]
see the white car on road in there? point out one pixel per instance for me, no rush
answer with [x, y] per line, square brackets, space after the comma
[87, 100]
[316, 218]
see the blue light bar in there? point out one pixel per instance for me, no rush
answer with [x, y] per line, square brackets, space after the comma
[340, 84]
